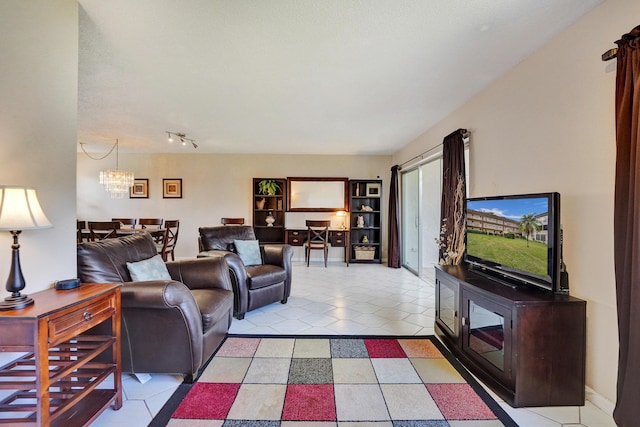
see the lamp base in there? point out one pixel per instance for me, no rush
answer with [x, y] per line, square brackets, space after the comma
[15, 302]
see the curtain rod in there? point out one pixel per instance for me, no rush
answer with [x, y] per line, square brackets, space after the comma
[465, 134]
[610, 54]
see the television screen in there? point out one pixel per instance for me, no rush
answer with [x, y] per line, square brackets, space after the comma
[515, 236]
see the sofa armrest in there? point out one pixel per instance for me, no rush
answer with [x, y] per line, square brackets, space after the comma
[160, 316]
[238, 277]
[280, 255]
[201, 273]
[158, 294]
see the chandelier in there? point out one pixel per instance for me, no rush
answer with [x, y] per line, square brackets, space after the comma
[116, 182]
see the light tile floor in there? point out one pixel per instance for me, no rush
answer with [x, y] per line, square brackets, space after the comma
[339, 300]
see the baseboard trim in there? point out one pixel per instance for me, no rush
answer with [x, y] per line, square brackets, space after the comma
[600, 401]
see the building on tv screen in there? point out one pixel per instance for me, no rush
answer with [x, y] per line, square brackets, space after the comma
[510, 232]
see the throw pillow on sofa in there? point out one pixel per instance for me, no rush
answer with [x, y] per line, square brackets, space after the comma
[148, 269]
[248, 251]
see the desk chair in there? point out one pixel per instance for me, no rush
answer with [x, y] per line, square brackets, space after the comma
[317, 239]
[170, 239]
[232, 221]
[99, 230]
[129, 222]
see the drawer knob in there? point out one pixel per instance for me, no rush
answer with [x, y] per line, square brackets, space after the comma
[295, 240]
[87, 316]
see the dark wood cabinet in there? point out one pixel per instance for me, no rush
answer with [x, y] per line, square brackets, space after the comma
[365, 220]
[526, 344]
[269, 211]
[68, 354]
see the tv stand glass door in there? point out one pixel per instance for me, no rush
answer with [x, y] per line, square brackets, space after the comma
[447, 303]
[486, 333]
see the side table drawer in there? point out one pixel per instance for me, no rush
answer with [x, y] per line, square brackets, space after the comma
[82, 317]
[295, 237]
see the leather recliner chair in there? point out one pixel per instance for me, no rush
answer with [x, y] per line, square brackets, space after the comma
[254, 286]
[168, 326]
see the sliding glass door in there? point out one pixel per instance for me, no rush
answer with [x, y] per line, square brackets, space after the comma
[421, 190]
[421, 217]
[431, 176]
[411, 220]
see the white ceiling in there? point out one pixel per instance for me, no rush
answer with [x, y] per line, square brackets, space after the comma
[295, 76]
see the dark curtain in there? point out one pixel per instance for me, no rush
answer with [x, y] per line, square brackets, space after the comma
[393, 252]
[626, 233]
[453, 195]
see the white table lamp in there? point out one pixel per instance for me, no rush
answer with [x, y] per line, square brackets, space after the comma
[19, 210]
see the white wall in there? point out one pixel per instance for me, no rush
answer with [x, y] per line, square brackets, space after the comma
[38, 115]
[214, 186]
[548, 125]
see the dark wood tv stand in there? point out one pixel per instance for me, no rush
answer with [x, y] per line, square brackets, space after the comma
[526, 344]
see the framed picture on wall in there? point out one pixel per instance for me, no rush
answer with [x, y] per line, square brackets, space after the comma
[172, 188]
[373, 190]
[139, 189]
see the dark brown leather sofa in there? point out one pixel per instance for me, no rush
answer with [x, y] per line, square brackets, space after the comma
[254, 286]
[168, 326]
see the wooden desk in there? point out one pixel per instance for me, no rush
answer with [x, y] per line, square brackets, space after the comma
[337, 238]
[56, 381]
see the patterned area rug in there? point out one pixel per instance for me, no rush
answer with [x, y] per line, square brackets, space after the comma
[332, 381]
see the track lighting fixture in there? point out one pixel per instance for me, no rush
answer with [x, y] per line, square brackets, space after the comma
[182, 137]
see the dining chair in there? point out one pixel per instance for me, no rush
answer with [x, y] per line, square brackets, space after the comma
[170, 239]
[80, 227]
[147, 223]
[232, 221]
[150, 222]
[317, 238]
[99, 230]
[129, 222]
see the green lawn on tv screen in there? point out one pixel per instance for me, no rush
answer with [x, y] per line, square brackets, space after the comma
[509, 252]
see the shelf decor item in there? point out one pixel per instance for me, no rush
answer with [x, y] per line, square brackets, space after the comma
[373, 190]
[269, 187]
[365, 252]
[270, 219]
[260, 203]
[19, 210]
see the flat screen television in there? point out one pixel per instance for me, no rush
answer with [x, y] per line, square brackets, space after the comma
[516, 238]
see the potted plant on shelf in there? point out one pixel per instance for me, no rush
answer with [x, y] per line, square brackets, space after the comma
[268, 187]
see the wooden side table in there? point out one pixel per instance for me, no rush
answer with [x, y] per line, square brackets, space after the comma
[63, 333]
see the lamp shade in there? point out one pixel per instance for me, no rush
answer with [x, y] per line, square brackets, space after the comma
[20, 209]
